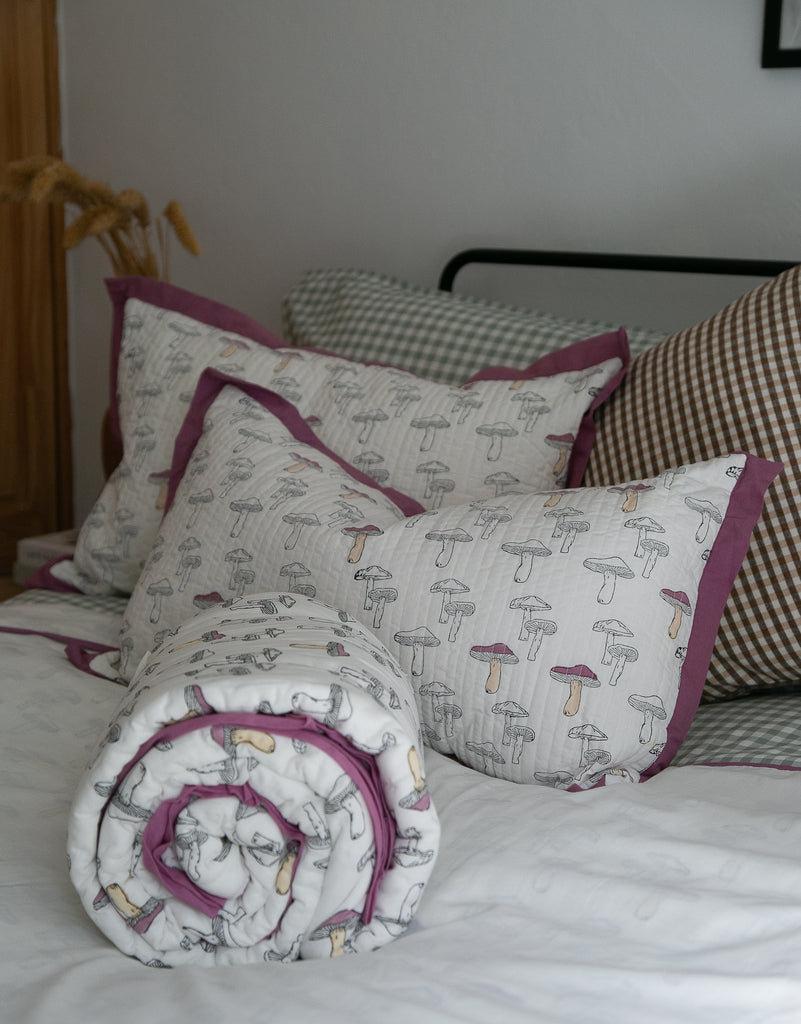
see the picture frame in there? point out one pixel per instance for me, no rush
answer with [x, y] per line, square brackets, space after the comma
[781, 34]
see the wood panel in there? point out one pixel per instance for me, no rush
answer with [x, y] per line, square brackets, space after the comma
[35, 463]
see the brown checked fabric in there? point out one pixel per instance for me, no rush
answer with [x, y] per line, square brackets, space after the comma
[732, 382]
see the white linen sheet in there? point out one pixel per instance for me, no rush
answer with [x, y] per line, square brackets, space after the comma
[678, 899]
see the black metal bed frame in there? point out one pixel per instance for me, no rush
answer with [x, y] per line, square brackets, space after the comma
[610, 261]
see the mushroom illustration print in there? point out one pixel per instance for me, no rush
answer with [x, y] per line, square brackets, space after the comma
[371, 575]
[243, 507]
[336, 930]
[297, 520]
[528, 604]
[435, 691]
[709, 514]
[576, 677]
[632, 493]
[496, 432]
[563, 443]
[510, 710]
[611, 569]
[622, 656]
[429, 425]
[447, 588]
[651, 708]
[448, 538]
[359, 535]
[526, 551]
[612, 629]
[496, 655]
[456, 611]
[418, 639]
[537, 629]
[680, 604]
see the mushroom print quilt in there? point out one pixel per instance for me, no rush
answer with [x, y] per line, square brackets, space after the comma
[438, 444]
[259, 794]
[557, 637]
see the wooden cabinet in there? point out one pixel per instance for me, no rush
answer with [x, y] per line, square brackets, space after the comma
[35, 463]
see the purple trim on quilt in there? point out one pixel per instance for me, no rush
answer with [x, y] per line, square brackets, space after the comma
[43, 579]
[360, 767]
[578, 356]
[79, 652]
[210, 384]
[159, 835]
[722, 566]
[168, 296]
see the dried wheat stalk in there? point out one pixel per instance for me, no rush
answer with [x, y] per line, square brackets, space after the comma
[120, 222]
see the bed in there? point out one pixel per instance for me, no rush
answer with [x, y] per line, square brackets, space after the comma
[613, 841]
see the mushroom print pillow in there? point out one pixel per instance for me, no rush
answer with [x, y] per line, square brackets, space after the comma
[558, 637]
[504, 429]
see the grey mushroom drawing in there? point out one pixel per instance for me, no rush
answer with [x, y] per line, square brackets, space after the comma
[435, 691]
[418, 639]
[241, 469]
[369, 418]
[621, 656]
[294, 571]
[198, 502]
[645, 526]
[250, 436]
[447, 588]
[490, 520]
[235, 558]
[537, 630]
[488, 753]
[431, 469]
[560, 516]
[358, 535]
[457, 611]
[588, 734]
[371, 575]
[652, 708]
[429, 425]
[612, 569]
[297, 520]
[439, 488]
[680, 604]
[243, 507]
[450, 713]
[189, 563]
[611, 629]
[571, 529]
[501, 481]
[520, 734]
[344, 796]
[448, 539]
[526, 551]
[496, 432]
[532, 406]
[496, 656]
[528, 604]
[709, 514]
[158, 590]
[576, 677]
[380, 598]
[652, 551]
[510, 710]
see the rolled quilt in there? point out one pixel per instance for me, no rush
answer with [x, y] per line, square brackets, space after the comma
[259, 794]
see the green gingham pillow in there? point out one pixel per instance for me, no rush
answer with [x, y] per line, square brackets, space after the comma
[438, 335]
[763, 729]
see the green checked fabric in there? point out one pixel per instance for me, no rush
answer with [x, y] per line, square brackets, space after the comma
[438, 335]
[758, 730]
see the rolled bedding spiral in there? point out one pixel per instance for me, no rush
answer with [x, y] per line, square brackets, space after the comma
[259, 794]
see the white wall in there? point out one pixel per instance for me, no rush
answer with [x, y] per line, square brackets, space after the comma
[390, 133]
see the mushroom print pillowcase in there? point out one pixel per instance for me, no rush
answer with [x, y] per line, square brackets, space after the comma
[505, 429]
[559, 637]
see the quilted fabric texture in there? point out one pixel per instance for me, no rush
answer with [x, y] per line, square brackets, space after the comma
[507, 428]
[551, 637]
[442, 336]
[732, 381]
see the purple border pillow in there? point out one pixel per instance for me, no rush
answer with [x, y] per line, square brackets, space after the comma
[559, 637]
[504, 429]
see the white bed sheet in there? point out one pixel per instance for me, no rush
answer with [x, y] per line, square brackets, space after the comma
[674, 900]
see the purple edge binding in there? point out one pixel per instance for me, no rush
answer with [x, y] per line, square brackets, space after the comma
[209, 386]
[725, 559]
[362, 768]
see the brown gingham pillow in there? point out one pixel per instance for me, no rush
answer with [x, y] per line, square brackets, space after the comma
[732, 382]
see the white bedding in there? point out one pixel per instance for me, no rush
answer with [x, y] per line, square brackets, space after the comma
[678, 899]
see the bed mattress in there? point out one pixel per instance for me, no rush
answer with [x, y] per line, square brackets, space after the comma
[676, 899]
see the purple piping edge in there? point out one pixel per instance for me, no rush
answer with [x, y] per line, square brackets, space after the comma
[79, 652]
[725, 559]
[362, 768]
[160, 830]
[209, 386]
[43, 579]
